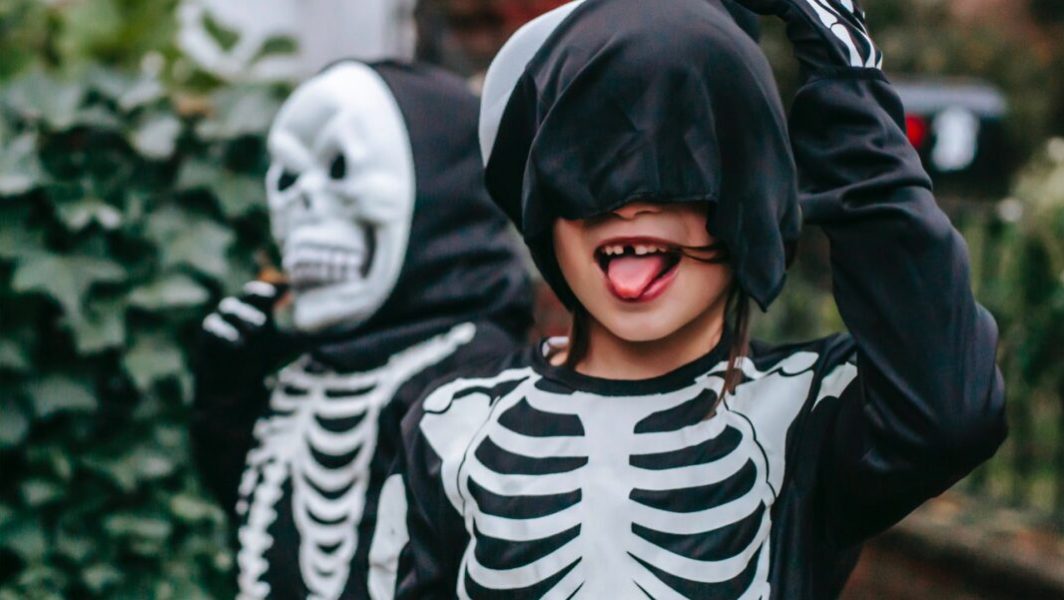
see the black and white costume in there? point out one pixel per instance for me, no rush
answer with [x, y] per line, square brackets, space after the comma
[527, 480]
[402, 270]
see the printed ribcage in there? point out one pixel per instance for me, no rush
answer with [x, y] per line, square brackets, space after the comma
[570, 497]
[320, 438]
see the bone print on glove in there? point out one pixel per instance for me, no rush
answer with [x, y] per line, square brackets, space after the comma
[828, 35]
[239, 341]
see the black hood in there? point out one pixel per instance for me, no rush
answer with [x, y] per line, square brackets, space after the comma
[461, 261]
[603, 102]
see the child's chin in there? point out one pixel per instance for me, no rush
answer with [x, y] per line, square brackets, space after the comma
[644, 328]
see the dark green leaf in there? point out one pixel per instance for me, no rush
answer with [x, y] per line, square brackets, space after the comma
[20, 171]
[237, 194]
[169, 292]
[39, 97]
[98, 117]
[127, 90]
[226, 38]
[38, 492]
[76, 547]
[191, 240]
[99, 577]
[145, 91]
[55, 394]
[156, 136]
[65, 278]
[278, 44]
[192, 509]
[152, 358]
[79, 214]
[239, 111]
[148, 528]
[13, 423]
[119, 473]
[17, 240]
[24, 536]
[13, 356]
[102, 326]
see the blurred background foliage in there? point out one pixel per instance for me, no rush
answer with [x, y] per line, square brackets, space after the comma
[131, 199]
[125, 212]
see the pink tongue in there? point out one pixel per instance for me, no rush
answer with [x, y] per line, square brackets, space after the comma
[630, 276]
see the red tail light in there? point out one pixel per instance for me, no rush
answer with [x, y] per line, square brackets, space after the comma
[916, 128]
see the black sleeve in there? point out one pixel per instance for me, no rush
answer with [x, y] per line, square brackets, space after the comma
[927, 403]
[429, 563]
[223, 419]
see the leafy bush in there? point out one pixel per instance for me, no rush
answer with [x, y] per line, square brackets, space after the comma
[1019, 255]
[122, 219]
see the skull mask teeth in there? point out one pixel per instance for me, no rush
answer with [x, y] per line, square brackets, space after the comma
[341, 188]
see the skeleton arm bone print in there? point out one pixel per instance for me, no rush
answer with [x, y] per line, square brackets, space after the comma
[827, 35]
[926, 405]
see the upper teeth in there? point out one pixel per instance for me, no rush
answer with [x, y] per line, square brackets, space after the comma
[638, 249]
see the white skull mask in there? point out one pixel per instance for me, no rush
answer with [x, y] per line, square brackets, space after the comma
[341, 188]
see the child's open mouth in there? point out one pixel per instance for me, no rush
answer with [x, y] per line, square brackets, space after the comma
[638, 269]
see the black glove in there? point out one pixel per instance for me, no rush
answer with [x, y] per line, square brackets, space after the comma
[829, 36]
[239, 342]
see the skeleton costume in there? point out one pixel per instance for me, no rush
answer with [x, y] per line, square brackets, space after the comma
[402, 269]
[527, 480]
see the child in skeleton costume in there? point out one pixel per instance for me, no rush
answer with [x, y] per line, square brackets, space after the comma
[402, 269]
[642, 151]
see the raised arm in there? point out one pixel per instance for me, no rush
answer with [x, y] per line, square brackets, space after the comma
[238, 345]
[926, 405]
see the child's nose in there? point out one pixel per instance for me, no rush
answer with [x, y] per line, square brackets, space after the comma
[634, 209]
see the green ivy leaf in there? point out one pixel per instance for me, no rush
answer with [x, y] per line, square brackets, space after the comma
[226, 38]
[99, 577]
[277, 44]
[18, 241]
[76, 547]
[38, 97]
[169, 292]
[118, 473]
[191, 240]
[192, 509]
[14, 426]
[146, 528]
[13, 356]
[65, 278]
[80, 214]
[143, 92]
[37, 492]
[98, 117]
[153, 357]
[101, 327]
[156, 136]
[20, 171]
[24, 536]
[54, 394]
[239, 111]
[237, 194]
[129, 91]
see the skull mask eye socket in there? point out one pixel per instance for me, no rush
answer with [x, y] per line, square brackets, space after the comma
[286, 180]
[338, 167]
